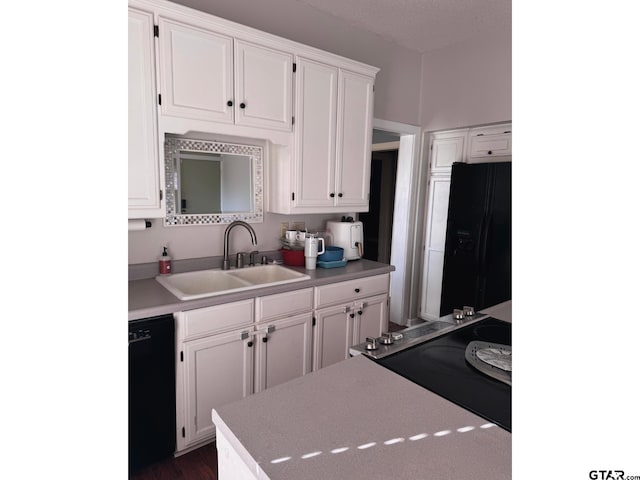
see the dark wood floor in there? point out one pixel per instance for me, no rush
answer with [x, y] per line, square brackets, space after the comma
[201, 464]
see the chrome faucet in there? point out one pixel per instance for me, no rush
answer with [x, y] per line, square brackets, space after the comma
[254, 240]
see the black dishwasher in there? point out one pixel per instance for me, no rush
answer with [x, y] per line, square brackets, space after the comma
[152, 391]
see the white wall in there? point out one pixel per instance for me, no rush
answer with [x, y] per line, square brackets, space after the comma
[207, 240]
[467, 84]
[397, 84]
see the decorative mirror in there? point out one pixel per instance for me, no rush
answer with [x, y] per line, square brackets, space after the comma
[210, 182]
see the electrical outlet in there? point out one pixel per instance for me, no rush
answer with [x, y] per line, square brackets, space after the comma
[283, 229]
[298, 226]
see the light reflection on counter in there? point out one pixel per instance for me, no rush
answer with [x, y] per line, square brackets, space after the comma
[391, 441]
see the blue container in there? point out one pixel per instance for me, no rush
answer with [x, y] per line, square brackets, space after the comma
[331, 254]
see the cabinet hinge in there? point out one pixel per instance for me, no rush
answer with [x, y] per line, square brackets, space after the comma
[160, 194]
[183, 433]
[373, 87]
[293, 196]
[182, 356]
[313, 322]
[293, 120]
[294, 67]
[159, 99]
[156, 31]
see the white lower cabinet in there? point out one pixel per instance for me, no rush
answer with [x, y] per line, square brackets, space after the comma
[339, 327]
[283, 350]
[218, 370]
[435, 235]
[227, 352]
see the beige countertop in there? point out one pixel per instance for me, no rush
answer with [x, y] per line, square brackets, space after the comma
[358, 420]
[147, 298]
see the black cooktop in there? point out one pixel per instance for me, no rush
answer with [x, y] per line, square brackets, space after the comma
[439, 365]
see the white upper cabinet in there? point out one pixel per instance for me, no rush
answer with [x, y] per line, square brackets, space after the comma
[331, 165]
[315, 133]
[353, 139]
[446, 148]
[212, 76]
[488, 144]
[263, 86]
[144, 176]
[196, 72]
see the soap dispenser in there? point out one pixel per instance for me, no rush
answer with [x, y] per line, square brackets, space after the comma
[165, 262]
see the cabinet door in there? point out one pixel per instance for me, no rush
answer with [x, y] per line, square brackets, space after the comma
[144, 172]
[196, 74]
[435, 234]
[447, 148]
[372, 318]
[353, 138]
[333, 335]
[315, 133]
[218, 370]
[263, 86]
[283, 353]
[482, 148]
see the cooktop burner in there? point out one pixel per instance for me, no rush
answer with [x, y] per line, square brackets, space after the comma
[439, 365]
[414, 335]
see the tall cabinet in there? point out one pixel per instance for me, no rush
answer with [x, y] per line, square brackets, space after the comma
[330, 168]
[145, 198]
[470, 145]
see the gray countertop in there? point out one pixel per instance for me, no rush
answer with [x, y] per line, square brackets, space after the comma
[147, 298]
[358, 420]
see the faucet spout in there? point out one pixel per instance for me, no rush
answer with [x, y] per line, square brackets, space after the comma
[254, 240]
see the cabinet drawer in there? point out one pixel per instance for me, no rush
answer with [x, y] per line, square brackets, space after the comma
[283, 304]
[490, 145]
[351, 290]
[209, 320]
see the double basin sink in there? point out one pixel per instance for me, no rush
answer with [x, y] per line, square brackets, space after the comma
[207, 283]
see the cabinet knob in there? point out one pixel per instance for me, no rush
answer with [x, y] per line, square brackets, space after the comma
[250, 344]
[340, 195]
[359, 312]
[351, 315]
[332, 195]
[489, 152]
[357, 290]
[265, 339]
[242, 105]
[229, 103]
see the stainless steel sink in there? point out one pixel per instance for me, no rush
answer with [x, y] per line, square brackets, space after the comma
[207, 283]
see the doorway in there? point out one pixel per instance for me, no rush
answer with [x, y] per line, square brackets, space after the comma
[378, 221]
[405, 225]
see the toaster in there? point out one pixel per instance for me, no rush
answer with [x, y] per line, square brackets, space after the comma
[348, 236]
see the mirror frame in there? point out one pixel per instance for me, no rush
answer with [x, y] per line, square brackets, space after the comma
[175, 144]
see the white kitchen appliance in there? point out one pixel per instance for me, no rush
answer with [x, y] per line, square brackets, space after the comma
[349, 236]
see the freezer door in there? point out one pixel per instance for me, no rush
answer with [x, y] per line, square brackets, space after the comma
[477, 259]
[495, 270]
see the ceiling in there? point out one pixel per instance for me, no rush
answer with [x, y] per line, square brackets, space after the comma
[421, 25]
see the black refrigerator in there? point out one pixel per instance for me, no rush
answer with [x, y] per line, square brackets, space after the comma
[477, 256]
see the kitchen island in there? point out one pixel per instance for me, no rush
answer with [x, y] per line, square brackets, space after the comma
[356, 419]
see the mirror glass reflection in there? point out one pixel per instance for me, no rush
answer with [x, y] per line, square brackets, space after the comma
[212, 182]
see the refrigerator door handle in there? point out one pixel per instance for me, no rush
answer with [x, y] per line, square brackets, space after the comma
[486, 226]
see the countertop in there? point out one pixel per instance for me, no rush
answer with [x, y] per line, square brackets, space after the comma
[358, 420]
[147, 298]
